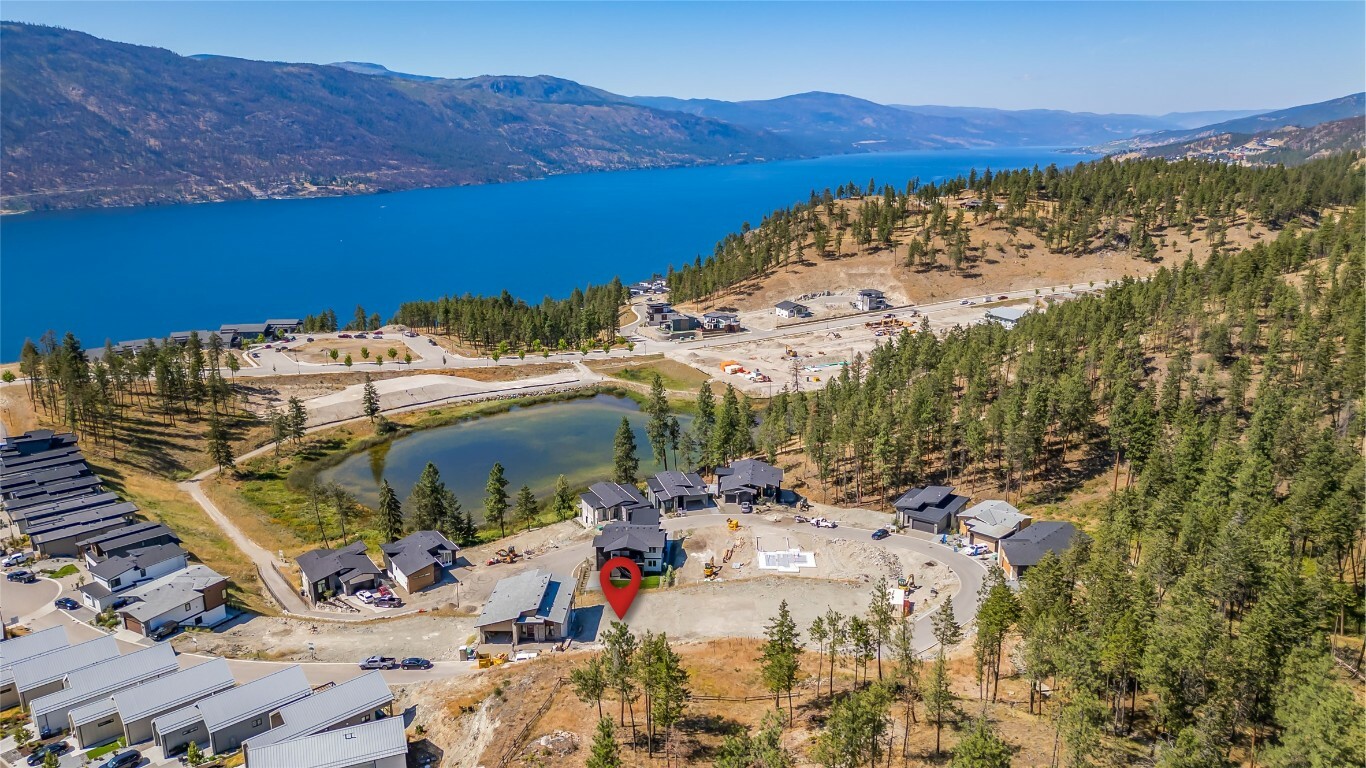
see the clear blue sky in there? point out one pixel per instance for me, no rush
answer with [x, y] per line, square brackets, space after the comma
[1149, 57]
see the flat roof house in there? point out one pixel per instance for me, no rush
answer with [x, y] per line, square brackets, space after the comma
[870, 299]
[355, 701]
[194, 596]
[1025, 549]
[991, 521]
[343, 571]
[283, 324]
[748, 480]
[605, 502]
[674, 491]
[220, 723]
[791, 309]
[137, 566]
[721, 321]
[99, 681]
[930, 509]
[1007, 317]
[34, 441]
[416, 560]
[29, 514]
[646, 545]
[532, 606]
[23, 648]
[37, 676]
[130, 712]
[380, 744]
[123, 540]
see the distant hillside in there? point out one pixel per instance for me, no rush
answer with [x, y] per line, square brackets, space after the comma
[1302, 116]
[1045, 127]
[1207, 117]
[1288, 146]
[87, 122]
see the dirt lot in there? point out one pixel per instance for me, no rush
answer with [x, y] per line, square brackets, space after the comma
[320, 351]
[677, 376]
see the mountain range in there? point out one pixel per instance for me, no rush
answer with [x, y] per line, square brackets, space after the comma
[1304, 116]
[89, 122]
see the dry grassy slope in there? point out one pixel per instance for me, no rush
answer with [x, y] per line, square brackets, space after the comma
[997, 261]
[473, 725]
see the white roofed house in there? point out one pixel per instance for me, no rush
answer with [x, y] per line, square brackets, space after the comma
[20, 649]
[417, 560]
[533, 606]
[220, 723]
[116, 574]
[359, 700]
[1007, 317]
[37, 676]
[605, 502]
[129, 713]
[193, 596]
[991, 521]
[97, 682]
[378, 744]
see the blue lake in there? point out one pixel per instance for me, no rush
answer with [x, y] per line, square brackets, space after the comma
[136, 272]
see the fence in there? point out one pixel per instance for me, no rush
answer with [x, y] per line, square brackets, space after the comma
[515, 748]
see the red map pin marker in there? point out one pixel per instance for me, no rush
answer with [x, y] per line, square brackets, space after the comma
[620, 598]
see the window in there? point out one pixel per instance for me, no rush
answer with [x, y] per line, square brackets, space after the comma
[187, 607]
[103, 723]
[189, 731]
[256, 723]
[115, 582]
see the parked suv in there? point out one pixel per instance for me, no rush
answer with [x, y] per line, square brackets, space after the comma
[164, 631]
[125, 759]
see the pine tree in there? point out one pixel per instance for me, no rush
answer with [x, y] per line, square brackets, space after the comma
[563, 500]
[590, 682]
[390, 513]
[496, 499]
[220, 449]
[881, 617]
[627, 466]
[297, 419]
[780, 656]
[657, 428]
[425, 504]
[527, 507]
[603, 753]
[939, 699]
[370, 399]
[981, 748]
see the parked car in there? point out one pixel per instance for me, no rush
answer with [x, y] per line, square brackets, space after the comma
[432, 342]
[388, 601]
[1002, 297]
[41, 753]
[964, 302]
[881, 534]
[414, 662]
[343, 335]
[800, 519]
[821, 522]
[66, 604]
[124, 759]
[15, 559]
[308, 338]
[366, 596]
[268, 346]
[21, 576]
[888, 315]
[746, 507]
[360, 336]
[164, 631]
[380, 662]
[376, 335]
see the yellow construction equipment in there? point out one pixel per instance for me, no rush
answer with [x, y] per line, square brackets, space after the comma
[709, 569]
[732, 524]
[508, 555]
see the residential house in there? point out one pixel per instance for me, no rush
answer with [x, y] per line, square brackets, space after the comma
[137, 566]
[870, 299]
[194, 596]
[278, 326]
[721, 321]
[931, 509]
[606, 501]
[38, 676]
[100, 681]
[674, 491]
[356, 701]
[644, 543]
[120, 541]
[220, 723]
[26, 514]
[378, 744]
[790, 309]
[32, 442]
[991, 521]
[19, 649]
[972, 204]
[533, 606]
[128, 714]
[748, 480]
[416, 560]
[344, 571]
[1007, 317]
[1025, 549]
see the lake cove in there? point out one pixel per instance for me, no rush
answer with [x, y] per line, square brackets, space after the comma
[535, 444]
[131, 273]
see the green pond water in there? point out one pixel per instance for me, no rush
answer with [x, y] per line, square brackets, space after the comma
[536, 444]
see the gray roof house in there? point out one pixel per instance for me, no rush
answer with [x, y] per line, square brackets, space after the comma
[220, 723]
[1025, 549]
[193, 596]
[675, 491]
[791, 309]
[23, 648]
[532, 606]
[99, 681]
[605, 502]
[644, 544]
[748, 480]
[416, 560]
[931, 509]
[121, 540]
[129, 713]
[355, 701]
[991, 521]
[378, 744]
[1008, 317]
[128, 570]
[38, 676]
[337, 571]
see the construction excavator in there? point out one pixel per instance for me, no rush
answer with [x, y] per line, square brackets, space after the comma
[709, 569]
[732, 524]
[509, 555]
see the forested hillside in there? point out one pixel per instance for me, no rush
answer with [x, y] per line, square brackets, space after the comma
[91, 122]
[1222, 403]
[1106, 205]
[1288, 146]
